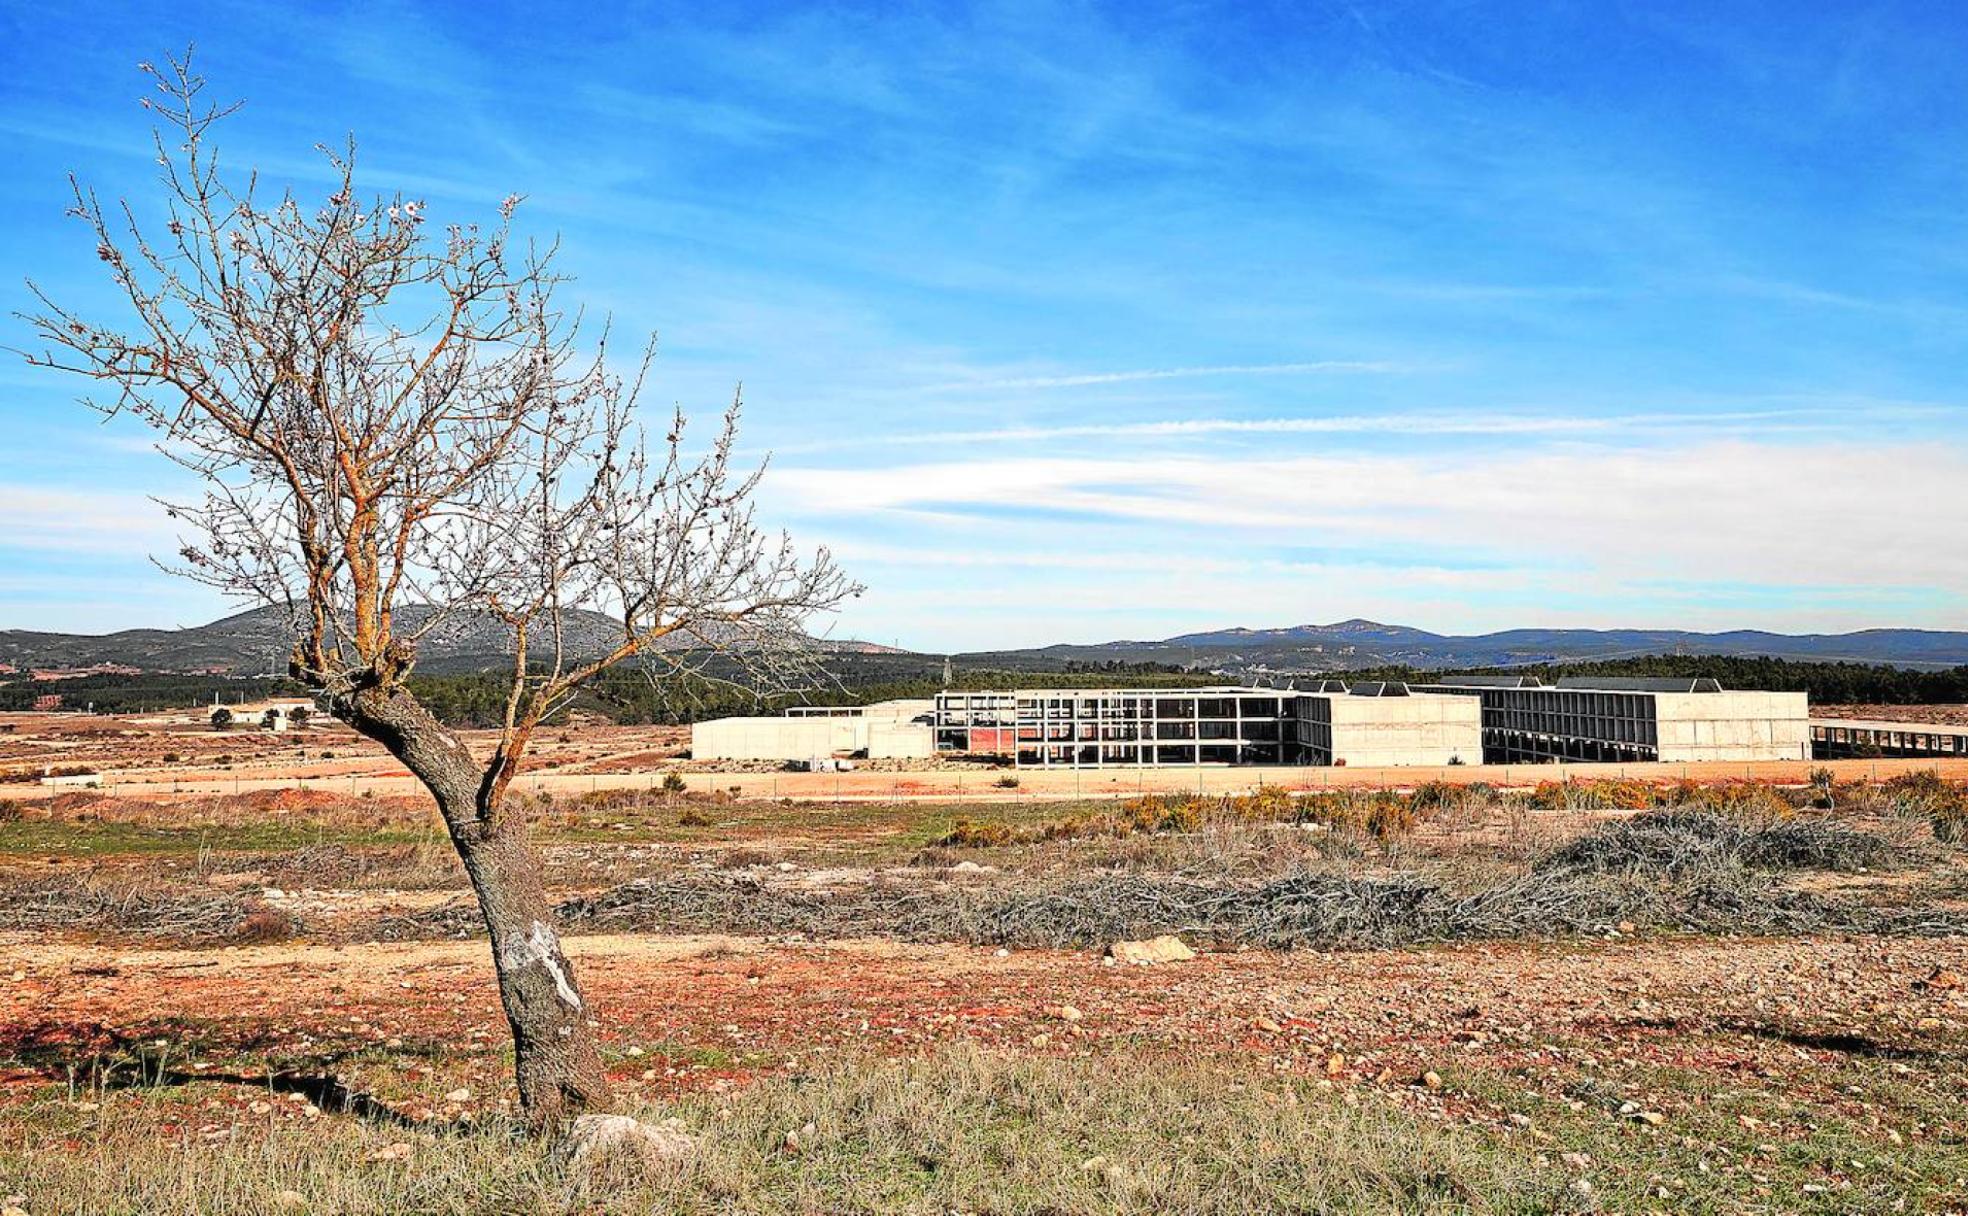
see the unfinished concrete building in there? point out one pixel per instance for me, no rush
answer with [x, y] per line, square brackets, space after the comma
[979, 723]
[1467, 720]
[1632, 720]
[1094, 728]
[1862, 738]
[1141, 727]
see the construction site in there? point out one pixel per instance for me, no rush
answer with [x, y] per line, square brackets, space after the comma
[1459, 721]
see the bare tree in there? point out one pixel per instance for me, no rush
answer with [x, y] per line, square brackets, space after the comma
[399, 432]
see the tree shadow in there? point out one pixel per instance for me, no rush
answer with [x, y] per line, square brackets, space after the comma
[104, 1057]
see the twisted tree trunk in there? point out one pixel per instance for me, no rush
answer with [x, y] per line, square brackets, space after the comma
[556, 1061]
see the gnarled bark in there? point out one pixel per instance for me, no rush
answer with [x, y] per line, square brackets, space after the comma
[556, 1061]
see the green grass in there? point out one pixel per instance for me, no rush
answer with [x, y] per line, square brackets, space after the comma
[112, 838]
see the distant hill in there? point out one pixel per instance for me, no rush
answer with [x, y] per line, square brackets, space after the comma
[256, 643]
[1357, 644]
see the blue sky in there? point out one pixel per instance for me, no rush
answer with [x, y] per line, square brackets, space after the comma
[1072, 322]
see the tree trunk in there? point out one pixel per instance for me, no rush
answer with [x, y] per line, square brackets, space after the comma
[554, 1055]
[556, 1061]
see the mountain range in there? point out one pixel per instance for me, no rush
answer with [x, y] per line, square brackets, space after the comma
[256, 643]
[1358, 643]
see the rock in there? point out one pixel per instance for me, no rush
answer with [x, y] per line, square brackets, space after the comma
[1065, 1013]
[400, 1151]
[1266, 1025]
[1519, 1120]
[1164, 949]
[1626, 928]
[1335, 1064]
[1041, 1040]
[1432, 1079]
[592, 1138]
[458, 1095]
[1941, 980]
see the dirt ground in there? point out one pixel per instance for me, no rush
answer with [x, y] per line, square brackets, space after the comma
[1657, 1067]
[1723, 1010]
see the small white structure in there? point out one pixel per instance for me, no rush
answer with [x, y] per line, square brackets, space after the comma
[279, 718]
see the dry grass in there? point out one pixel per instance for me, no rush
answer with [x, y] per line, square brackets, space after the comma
[964, 1130]
[1122, 1130]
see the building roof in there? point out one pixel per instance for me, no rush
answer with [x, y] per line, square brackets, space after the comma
[1639, 684]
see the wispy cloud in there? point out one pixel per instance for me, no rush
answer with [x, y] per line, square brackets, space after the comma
[1340, 366]
[1499, 425]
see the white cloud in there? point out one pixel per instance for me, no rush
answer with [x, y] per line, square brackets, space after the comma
[75, 521]
[1762, 421]
[1784, 515]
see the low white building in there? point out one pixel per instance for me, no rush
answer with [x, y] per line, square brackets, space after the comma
[886, 730]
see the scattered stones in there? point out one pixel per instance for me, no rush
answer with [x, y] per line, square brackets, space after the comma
[593, 1138]
[1167, 948]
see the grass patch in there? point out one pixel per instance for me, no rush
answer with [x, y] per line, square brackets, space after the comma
[964, 1130]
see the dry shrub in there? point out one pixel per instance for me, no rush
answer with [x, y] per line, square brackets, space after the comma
[1680, 842]
[262, 926]
[122, 906]
[967, 833]
[694, 818]
[1927, 795]
[1383, 814]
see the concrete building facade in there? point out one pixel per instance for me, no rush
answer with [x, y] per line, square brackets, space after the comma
[885, 730]
[1370, 725]
[1633, 720]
